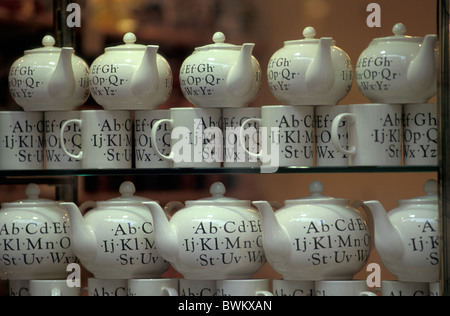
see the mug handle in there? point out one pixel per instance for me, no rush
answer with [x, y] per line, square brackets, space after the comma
[55, 292]
[335, 133]
[61, 139]
[263, 293]
[367, 293]
[168, 291]
[154, 142]
[242, 137]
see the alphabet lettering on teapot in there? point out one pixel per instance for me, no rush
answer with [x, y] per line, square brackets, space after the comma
[426, 242]
[22, 82]
[131, 245]
[226, 244]
[201, 79]
[104, 80]
[342, 241]
[35, 243]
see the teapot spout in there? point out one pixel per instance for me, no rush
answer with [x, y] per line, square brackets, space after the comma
[240, 77]
[62, 82]
[275, 238]
[166, 239]
[388, 241]
[145, 81]
[84, 242]
[320, 75]
[422, 71]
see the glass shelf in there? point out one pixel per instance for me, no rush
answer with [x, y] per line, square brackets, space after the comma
[205, 171]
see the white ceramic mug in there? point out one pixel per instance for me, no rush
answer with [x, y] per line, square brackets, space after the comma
[255, 287]
[197, 287]
[286, 136]
[375, 134]
[52, 288]
[153, 287]
[19, 288]
[55, 157]
[21, 140]
[420, 134]
[343, 288]
[293, 288]
[196, 138]
[398, 288]
[326, 154]
[101, 287]
[106, 139]
[234, 153]
[145, 155]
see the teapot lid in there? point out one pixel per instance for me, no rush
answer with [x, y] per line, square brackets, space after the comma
[316, 189]
[130, 44]
[309, 33]
[399, 31]
[32, 192]
[431, 197]
[127, 191]
[219, 44]
[48, 46]
[217, 191]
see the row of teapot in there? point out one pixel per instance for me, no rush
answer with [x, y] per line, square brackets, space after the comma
[218, 237]
[398, 69]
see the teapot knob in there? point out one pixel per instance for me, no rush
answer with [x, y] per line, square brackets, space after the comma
[399, 29]
[316, 188]
[32, 191]
[129, 38]
[309, 32]
[219, 38]
[431, 187]
[127, 189]
[48, 41]
[217, 189]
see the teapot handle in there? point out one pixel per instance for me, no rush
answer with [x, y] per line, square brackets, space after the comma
[369, 218]
[172, 207]
[87, 205]
[275, 205]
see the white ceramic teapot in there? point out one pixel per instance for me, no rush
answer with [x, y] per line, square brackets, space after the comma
[407, 238]
[215, 238]
[131, 77]
[35, 239]
[221, 75]
[49, 79]
[315, 238]
[116, 239]
[310, 72]
[399, 69]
